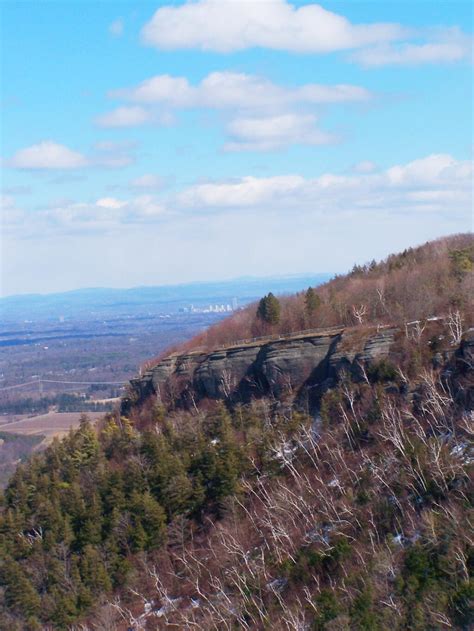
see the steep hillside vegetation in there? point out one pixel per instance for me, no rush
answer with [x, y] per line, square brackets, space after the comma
[339, 499]
[417, 283]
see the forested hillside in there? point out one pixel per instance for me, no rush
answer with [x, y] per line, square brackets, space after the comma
[429, 280]
[352, 511]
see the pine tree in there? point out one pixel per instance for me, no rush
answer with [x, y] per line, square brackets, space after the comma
[93, 570]
[20, 595]
[311, 301]
[273, 309]
[149, 521]
[262, 309]
[269, 309]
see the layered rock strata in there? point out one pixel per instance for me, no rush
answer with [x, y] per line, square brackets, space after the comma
[271, 367]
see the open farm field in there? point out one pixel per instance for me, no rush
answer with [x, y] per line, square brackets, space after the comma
[48, 425]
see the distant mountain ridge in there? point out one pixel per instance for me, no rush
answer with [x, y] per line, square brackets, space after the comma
[104, 300]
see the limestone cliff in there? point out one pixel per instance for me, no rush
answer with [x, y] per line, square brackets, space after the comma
[293, 364]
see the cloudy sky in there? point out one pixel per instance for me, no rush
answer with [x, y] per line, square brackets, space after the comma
[148, 143]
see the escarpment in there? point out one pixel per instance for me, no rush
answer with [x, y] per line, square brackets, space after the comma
[294, 364]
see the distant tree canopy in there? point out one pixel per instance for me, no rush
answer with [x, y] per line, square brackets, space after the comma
[311, 301]
[462, 261]
[269, 309]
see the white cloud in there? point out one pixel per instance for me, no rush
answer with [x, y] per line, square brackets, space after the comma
[297, 224]
[145, 208]
[162, 88]
[437, 186]
[264, 116]
[273, 132]
[125, 117]
[438, 169]
[47, 155]
[231, 90]
[430, 184]
[227, 25]
[365, 166]
[147, 182]
[248, 191]
[110, 202]
[104, 215]
[116, 28]
[448, 46]
[112, 154]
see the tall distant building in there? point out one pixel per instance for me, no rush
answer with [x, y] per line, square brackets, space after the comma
[235, 304]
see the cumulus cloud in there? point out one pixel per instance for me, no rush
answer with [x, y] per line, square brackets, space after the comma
[297, 223]
[263, 116]
[273, 132]
[113, 155]
[47, 155]
[125, 117]
[148, 181]
[227, 26]
[430, 184]
[448, 45]
[248, 191]
[231, 90]
[145, 208]
[50, 155]
[436, 170]
[105, 215]
[110, 202]
[437, 186]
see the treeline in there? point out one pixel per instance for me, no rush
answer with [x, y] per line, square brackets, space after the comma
[431, 280]
[62, 402]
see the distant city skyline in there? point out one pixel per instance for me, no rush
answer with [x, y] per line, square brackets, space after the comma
[159, 143]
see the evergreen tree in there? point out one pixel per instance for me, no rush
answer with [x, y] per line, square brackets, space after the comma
[262, 309]
[311, 301]
[93, 570]
[269, 309]
[20, 595]
[273, 309]
[462, 262]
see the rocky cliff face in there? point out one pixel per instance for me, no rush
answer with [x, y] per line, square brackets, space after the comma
[294, 364]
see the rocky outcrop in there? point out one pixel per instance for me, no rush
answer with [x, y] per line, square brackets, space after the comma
[295, 364]
[351, 355]
[285, 366]
[226, 372]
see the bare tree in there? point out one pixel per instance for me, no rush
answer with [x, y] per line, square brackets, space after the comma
[359, 312]
[454, 323]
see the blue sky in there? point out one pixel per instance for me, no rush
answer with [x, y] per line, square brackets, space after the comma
[160, 142]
